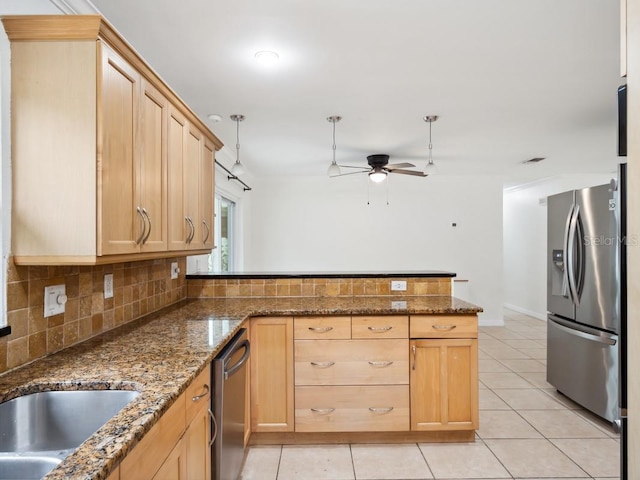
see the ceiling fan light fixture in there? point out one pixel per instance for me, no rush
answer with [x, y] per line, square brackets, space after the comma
[378, 175]
[237, 168]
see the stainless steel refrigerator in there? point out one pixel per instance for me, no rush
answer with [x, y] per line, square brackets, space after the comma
[585, 296]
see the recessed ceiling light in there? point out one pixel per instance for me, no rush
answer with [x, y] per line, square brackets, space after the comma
[214, 117]
[267, 57]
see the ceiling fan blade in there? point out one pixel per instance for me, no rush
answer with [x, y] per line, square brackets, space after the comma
[350, 166]
[395, 166]
[416, 173]
[350, 173]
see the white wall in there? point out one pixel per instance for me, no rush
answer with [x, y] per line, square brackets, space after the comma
[322, 224]
[525, 240]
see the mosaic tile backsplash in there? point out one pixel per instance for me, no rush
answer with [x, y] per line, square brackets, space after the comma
[139, 288]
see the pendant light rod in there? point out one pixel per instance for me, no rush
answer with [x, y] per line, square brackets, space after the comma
[237, 168]
[334, 168]
[430, 119]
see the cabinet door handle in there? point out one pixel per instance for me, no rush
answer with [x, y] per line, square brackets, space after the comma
[380, 364]
[214, 434]
[413, 352]
[208, 231]
[144, 226]
[443, 328]
[380, 409]
[380, 329]
[148, 217]
[192, 230]
[323, 411]
[201, 395]
[323, 364]
[321, 329]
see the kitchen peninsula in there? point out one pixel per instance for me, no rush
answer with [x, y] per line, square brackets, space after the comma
[161, 355]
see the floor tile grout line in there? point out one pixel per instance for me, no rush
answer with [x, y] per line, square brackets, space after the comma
[425, 460]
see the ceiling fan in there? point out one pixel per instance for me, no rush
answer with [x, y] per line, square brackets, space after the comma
[380, 168]
[378, 163]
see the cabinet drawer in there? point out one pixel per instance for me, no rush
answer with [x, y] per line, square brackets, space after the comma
[443, 326]
[198, 393]
[309, 328]
[383, 326]
[351, 362]
[352, 409]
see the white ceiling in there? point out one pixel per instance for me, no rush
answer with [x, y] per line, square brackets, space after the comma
[510, 79]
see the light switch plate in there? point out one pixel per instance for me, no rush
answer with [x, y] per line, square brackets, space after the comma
[398, 285]
[108, 285]
[54, 300]
[175, 270]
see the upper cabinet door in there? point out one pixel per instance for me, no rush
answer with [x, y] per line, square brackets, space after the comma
[120, 226]
[178, 227]
[206, 193]
[153, 168]
[191, 177]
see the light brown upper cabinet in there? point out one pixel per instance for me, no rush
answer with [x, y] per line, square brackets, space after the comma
[190, 185]
[95, 147]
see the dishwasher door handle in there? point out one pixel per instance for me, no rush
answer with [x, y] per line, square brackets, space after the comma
[234, 368]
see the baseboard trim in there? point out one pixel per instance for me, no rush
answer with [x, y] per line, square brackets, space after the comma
[515, 308]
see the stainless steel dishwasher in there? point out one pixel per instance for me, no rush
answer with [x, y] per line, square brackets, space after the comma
[228, 406]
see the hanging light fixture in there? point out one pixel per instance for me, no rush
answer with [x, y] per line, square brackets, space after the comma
[237, 168]
[378, 175]
[334, 168]
[430, 167]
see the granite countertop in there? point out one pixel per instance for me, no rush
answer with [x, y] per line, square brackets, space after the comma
[160, 354]
[239, 275]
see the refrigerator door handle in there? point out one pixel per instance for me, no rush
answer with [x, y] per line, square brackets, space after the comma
[602, 338]
[580, 256]
[570, 266]
[566, 283]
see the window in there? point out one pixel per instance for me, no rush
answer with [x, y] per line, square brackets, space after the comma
[223, 256]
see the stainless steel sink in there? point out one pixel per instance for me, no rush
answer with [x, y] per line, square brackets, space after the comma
[57, 420]
[39, 430]
[30, 467]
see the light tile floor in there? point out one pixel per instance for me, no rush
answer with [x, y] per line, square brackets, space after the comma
[527, 430]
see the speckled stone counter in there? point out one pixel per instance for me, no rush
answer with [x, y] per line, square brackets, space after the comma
[159, 355]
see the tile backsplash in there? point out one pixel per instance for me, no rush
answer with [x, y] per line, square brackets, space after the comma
[315, 287]
[139, 288]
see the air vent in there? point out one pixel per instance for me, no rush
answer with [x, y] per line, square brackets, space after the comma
[534, 160]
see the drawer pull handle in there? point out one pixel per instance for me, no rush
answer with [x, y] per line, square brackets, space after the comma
[380, 409]
[323, 411]
[380, 364]
[201, 395]
[444, 328]
[380, 329]
[321, 329]
[323, 364]
[413, 352]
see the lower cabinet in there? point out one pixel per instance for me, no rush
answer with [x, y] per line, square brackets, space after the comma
[444, 372]
[177, 447]
[271, 374]
[350, 374]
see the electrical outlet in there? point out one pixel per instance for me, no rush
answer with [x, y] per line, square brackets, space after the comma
[54, 300]
[399, 305]
[175, 270]
[398, 285]
[108, 285]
